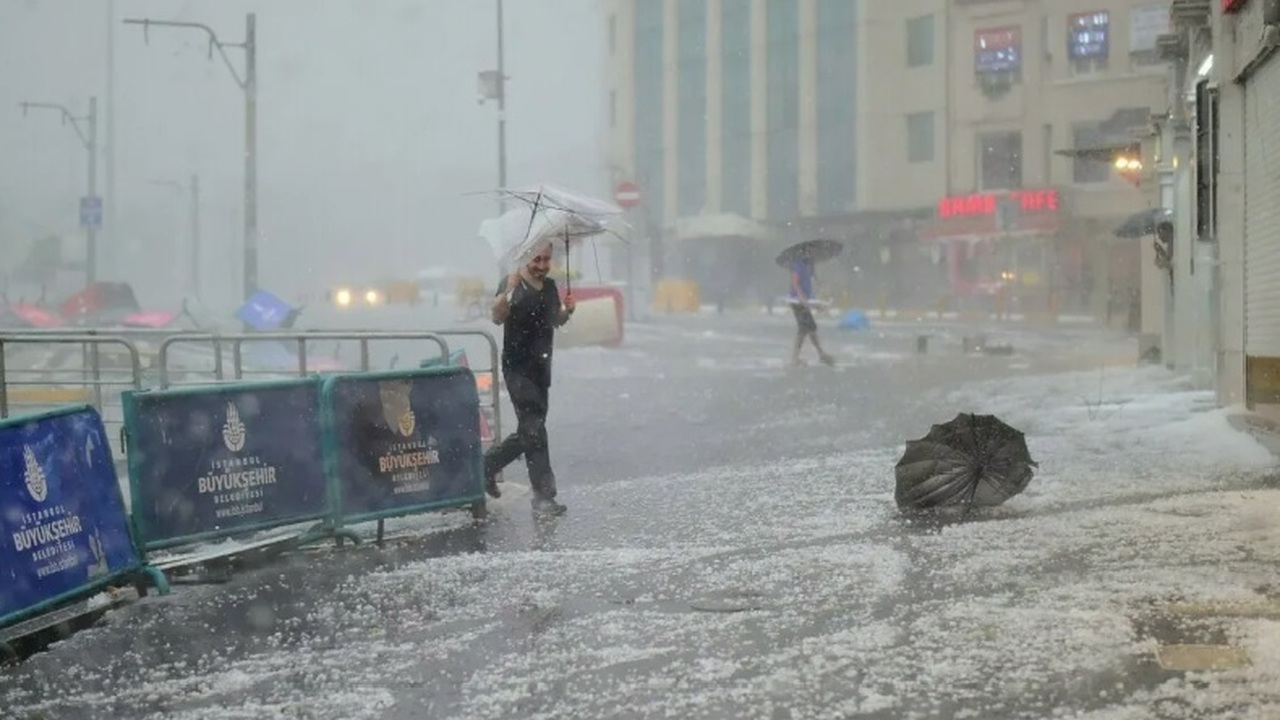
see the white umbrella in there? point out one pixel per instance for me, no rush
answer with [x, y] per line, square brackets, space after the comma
[544, 215]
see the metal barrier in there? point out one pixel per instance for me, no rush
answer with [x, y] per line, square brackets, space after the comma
[92, 365]
[494, 386]
[77, 371]
[235, 343]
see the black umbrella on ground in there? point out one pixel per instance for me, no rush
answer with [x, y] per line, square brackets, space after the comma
[971, 461]
[815, 250]
[1143, 223]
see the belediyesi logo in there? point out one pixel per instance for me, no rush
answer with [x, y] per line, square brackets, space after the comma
[37, 484]
[233, 430]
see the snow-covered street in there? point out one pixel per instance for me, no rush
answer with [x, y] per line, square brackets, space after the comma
[732, 550]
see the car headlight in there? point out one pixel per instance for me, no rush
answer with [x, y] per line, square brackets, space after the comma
[372, 297]
[343, 297]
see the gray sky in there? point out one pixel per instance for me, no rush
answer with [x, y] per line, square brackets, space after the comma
[369, 130]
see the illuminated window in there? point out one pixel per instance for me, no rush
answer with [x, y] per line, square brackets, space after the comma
[998, 52]
[1089, 41]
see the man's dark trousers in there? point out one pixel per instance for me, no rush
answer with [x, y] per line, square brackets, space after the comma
[529, 398]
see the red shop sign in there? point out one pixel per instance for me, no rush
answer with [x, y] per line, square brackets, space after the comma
[1231, 6]
[982, 204]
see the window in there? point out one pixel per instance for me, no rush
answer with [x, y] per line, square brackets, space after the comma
[782, 108]
[920, 41]
[735, 107]
[837, 93]
[1146, 24]
[1088, 41]
[1206, 124]
[1085, 168]
[1000, 160]
[647, 105]
[998, 53]
[920, 137]
[691, 108]
[1046, 139]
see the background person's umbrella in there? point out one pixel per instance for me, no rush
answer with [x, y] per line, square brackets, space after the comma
[1143, 223]
[815, 250]
[970, 461]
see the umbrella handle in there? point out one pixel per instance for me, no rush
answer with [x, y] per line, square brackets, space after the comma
[568, 274]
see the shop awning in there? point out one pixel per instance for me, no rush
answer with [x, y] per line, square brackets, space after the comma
[722, 225]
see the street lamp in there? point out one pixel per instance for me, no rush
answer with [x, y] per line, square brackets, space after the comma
[493, 86]
[89, 217]
[249, 84]
[1129, 167]
[192, 189]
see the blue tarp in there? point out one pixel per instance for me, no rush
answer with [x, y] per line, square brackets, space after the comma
[264, 311]
[855, 320]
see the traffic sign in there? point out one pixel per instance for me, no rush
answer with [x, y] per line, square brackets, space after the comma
[627, 194]
[91, 211]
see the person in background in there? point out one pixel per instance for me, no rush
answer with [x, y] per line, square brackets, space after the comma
[528, 308]
[802, 279]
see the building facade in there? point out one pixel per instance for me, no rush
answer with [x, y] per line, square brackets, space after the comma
[963, 150]
[1226, 319]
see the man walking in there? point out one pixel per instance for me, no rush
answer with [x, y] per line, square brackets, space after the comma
[802, 277]
[529, 310]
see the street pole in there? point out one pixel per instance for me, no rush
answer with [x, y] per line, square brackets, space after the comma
[89, 140]
[91, 228]
[110, 219]
[195, 236]
[250, 156]
[502, 119]
[249, 84]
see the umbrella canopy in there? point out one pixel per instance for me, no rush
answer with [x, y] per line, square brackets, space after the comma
[542, 215]
[1143, 223]
[815, 250]
[972, 460]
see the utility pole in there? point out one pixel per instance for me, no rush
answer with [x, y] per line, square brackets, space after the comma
[493, 86]
[249, 84]
[110, 219]
[502, 115]
[191, 191]
[90, 217]
[195, 235]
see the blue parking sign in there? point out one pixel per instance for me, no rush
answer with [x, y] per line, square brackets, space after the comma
[91, 211]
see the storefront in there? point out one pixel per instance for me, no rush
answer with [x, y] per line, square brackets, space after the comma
[1001, 252]
[728, 257]
[1262, 233]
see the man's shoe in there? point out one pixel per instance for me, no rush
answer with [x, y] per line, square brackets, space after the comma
[547, 506]
[491, 486]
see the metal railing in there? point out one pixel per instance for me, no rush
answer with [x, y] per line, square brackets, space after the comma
[45, 368]
[300, 360]
[74, 368]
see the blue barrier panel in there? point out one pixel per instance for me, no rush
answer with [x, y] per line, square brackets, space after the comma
[402, 442]
[64, 531]
[214, 461]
